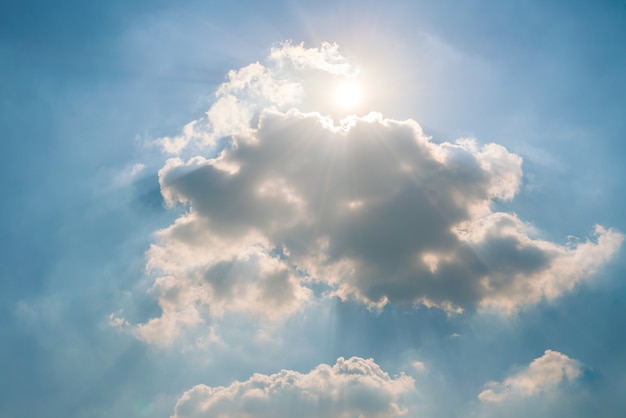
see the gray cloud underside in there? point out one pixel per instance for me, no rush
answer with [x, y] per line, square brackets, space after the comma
[379, 211]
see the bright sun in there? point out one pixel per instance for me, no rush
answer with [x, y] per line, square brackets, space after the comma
[348, 95]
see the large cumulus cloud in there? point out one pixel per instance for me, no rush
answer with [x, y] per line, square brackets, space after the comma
[350, 388]
[279, 199]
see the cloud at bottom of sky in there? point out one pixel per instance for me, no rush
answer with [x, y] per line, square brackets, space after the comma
[352, 387]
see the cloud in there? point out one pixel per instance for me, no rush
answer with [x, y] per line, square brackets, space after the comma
[353, 387]
[369, 207]
[218, 275]
[543, 375]
[121, 178]
[419, 366]
[195, 131]
[255, 87]
[327, 58]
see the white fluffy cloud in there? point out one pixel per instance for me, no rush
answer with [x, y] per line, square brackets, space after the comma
[255, 87]
[370, 207]
[350, 388]
[544, 374]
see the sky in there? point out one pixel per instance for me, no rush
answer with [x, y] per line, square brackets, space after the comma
[312, 209]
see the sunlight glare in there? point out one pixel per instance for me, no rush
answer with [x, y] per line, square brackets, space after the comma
[348, 95]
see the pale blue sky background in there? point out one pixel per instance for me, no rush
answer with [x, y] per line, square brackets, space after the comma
[85, 86]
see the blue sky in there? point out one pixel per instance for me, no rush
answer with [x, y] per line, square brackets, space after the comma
[436, 258]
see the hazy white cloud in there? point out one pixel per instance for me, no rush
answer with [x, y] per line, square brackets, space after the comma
[351, 388]
[195, 131]
[544, 374]
[419, 366]
[123, 177]
[115, 320]
[326, 58]
[370, 207]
